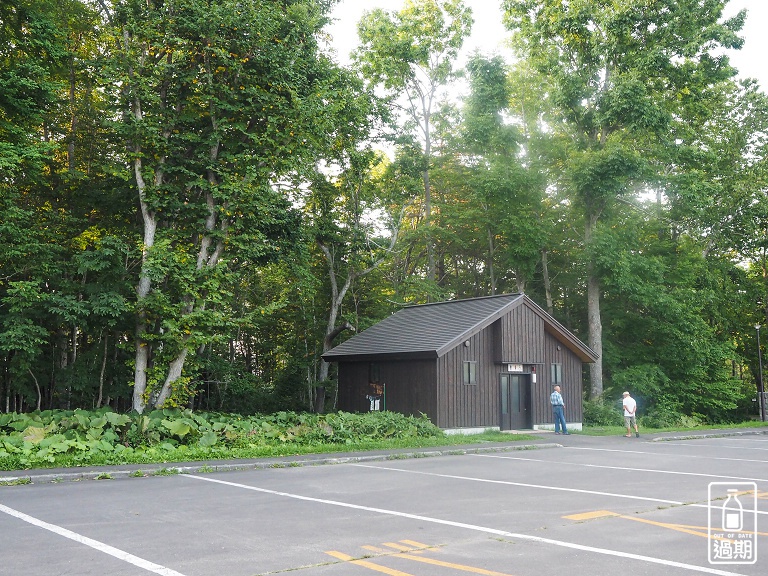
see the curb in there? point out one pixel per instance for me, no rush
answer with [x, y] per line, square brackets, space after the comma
[710, 435]
[203, 468]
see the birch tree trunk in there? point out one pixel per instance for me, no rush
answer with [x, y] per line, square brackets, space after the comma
[331, 330]
[142, 291]
[205, 258]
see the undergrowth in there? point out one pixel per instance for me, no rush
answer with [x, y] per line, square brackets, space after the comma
[102, 437]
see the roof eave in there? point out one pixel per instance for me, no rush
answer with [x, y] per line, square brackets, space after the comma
[380, 357]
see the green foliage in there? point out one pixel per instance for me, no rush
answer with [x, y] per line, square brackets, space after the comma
[601, 413]
[166, 472]
[425, 35]
[647, 383]
[662, 417]
[607, 102]
[225, 101]
[102, 436]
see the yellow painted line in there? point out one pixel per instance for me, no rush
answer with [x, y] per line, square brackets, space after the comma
[694, 527]
[462, 567]
[366, 564]
[590, 515]
[396, 546]
[695, 532]
[675, 527]
[424, 546]
[422, 559]
[411, 546]
[687, 529]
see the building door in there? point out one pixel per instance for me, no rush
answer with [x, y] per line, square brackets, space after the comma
[515, 401]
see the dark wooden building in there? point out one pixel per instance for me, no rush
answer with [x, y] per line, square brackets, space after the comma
[478, 363]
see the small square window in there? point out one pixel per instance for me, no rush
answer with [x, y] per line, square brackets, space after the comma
[557, 374]
[470, 372]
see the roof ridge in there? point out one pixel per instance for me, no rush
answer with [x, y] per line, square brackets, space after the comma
[474, 298]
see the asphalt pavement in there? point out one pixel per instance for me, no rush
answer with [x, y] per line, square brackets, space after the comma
[597, 506]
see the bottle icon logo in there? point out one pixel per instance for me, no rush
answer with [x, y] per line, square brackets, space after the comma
[733, 512]
[732, 522]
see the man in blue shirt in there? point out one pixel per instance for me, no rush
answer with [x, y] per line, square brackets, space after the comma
[558, 409]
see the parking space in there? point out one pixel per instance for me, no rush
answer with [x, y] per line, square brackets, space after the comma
[593, 506]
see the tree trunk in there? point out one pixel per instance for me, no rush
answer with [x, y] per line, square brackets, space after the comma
[175, 369]
[142, 291]
[428, 224]
[337, 299]
[331, 330]
[547, 285]
[72, 117]
[594, 323]
[102, 371]
[205, 258]
[491, 270]
[428, 193]
[520, 282]
[37, 387]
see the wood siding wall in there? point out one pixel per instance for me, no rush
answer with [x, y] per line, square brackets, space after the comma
[353, 387]
[571, 387]
[409, 387]
[469, 405]
[520, 337]
[436, 387]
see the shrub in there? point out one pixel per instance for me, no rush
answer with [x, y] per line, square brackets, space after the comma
[661, 417]
[601, 413]
[102, 436]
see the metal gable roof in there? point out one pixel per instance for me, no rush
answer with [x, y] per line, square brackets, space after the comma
[425, 331]
[431, 330]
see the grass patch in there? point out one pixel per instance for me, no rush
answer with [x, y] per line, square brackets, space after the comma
[166, 472]
[621, 430]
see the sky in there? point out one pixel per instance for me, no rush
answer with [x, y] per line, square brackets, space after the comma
[488, 33]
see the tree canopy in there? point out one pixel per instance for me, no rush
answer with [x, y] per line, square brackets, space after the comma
[198, 200]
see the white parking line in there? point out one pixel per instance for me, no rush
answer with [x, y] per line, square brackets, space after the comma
[95, 544]
[476, 528]
[651, 470]
[741, 439]
[654, 470]
[542, 486]
[665, 454]
[523, 484]
[692, 445]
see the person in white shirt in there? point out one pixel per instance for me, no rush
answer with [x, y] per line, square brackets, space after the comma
[630, 407]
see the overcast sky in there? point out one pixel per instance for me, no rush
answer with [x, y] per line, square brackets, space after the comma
[488, 33]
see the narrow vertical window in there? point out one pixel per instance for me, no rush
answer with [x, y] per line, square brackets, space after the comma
[557, 374]
[470, 372]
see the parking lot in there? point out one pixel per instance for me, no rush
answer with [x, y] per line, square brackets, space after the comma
[592, 506]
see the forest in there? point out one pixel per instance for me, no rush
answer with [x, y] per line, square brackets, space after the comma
[198, 199]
